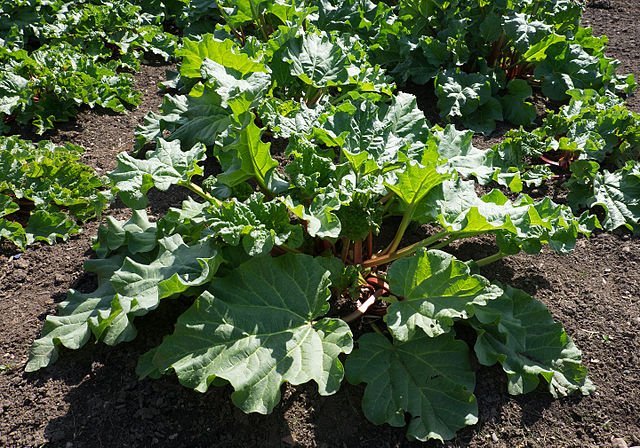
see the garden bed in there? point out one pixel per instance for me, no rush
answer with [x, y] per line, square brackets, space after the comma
[92, 397]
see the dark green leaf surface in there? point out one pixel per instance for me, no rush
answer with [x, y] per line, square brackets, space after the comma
[428, 378]
[519, 332]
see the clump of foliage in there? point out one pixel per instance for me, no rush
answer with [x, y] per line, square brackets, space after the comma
[591, 146]
[485, 59]
[318, 157]
[45, 191]
[56, 56]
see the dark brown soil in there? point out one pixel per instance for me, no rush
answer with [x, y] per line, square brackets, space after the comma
[92, 398]
[618, 19]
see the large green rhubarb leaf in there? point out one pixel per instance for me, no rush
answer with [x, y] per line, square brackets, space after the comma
[189, 118]
[505, 163]
[416, 181]
[618, 193]
[288, 118]
[312, 172]
[568, 66]
[190, 220]
[48, 226]
[521, 224]
[137, 234]
[257, 328]
[429, 378]
[165, 166]
[126, 288]
[13, 232]
[460, 94]
[320, 215]
[519, 332]
[76, 318]
[317, 61]
[226, 53]
[177, 267]
[253, 157]
[236, 91]
[434, 289]
[457, 147]
[524, 31]
[198, 119]
[381, 130]
[514, 105]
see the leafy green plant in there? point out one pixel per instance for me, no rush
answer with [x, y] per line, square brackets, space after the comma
[45, 191]
[57, 56]
[591, 145]
[488, 59]
[281, 246]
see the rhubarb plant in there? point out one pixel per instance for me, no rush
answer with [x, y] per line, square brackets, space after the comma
[485, 61]
[56, 56]
[46, 193]
[590, 147]
[317, 159]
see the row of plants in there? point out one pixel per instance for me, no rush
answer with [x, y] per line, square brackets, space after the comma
[590, 148]
[46, 193]
[485, 61]
[89, 27]
[307, 171]
[58, 56]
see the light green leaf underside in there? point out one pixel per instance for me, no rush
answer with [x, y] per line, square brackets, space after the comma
[619, 194]
[457, 147]
[126, 288]
[137, 234]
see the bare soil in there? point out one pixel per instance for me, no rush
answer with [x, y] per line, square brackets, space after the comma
[92, 398]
